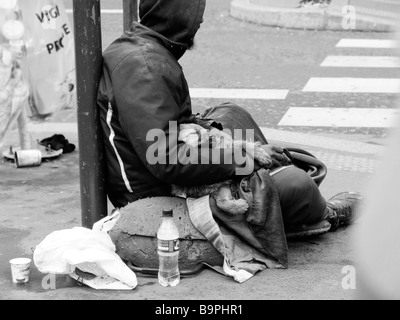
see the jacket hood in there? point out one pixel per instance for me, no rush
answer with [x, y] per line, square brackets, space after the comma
[176, 20]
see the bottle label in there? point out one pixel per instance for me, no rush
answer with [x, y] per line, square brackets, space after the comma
[168, 245]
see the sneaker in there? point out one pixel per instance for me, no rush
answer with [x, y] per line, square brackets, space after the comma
[340, 209]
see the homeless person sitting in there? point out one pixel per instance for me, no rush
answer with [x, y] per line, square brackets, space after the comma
[143, 88]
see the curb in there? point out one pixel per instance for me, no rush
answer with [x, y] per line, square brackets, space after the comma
[305, 18]
[322, 142]
[292, 137]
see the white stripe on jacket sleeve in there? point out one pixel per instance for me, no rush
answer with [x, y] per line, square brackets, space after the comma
[111, 139]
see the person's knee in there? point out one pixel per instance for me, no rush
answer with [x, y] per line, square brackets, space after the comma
[234, 108]
[237, 121]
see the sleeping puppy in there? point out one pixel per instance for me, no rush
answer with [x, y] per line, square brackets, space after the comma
[195, 135]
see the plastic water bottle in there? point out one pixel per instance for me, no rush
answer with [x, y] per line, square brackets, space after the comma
[168, 251]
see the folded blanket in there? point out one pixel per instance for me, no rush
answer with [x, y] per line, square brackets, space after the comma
[249, 243]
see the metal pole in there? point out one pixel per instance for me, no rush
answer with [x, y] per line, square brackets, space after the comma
[130, 13]
[88, 51]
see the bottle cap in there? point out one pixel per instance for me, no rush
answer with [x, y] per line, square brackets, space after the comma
[168, 213]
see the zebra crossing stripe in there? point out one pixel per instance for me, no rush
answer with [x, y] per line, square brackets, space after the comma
[340, 117]
[367, 43]
[208, 93]
[361, 62]
[103, 11]
[353, 85]
[195, 93]
[62, 127]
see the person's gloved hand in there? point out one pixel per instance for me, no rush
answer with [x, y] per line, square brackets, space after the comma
[279, 156]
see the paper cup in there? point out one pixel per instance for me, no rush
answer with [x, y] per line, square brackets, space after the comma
[28, 158]
[20, 269]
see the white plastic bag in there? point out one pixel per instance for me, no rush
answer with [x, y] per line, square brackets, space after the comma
[62, 252]
[50, 60]
[107, 223]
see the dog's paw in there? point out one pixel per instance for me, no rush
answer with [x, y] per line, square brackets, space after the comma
[262, 158]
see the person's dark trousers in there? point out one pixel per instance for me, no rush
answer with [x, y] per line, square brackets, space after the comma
[300, 198]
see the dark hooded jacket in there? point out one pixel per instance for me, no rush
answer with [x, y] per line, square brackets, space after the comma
[143, 88]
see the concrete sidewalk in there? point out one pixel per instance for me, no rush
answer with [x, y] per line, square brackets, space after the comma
[288, 14]
[37, 201]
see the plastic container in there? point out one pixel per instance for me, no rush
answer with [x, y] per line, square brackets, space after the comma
[168, 251]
